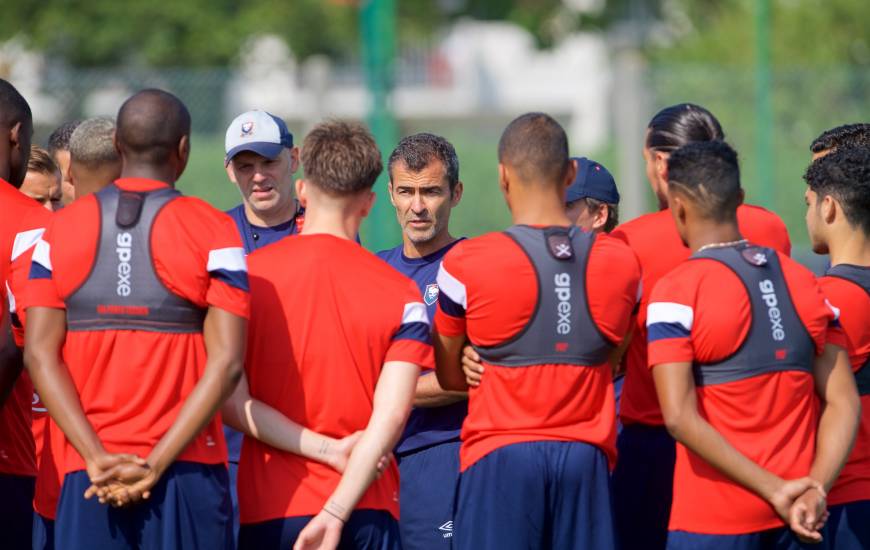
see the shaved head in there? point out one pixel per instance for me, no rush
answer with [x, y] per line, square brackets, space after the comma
[16, 131]
[150, 127]
[536, 147]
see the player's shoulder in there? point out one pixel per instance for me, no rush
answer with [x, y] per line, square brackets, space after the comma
[82, 210]
[758, 214]
[612, 247]
[795, 272]
[642, 225]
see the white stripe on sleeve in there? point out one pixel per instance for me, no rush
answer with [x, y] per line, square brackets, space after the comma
[227, 259]
[415, 312]
[42, 254]
[24, 240]
[452, 287]
[670, 312]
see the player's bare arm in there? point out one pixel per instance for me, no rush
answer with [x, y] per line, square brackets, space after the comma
[431, 394]
[838, 425]
[254, 418]
[224, 336]
[448, 363]
[392, 403]
[675, 387]
[10, 359]
[44, 338]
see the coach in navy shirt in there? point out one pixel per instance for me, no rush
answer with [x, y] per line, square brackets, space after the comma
[260, 160]
[424, 187]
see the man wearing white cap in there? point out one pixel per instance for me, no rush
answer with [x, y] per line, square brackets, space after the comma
[261, 160]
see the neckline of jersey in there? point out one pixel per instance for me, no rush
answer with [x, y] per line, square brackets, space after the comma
[140, 184]
[429, 258]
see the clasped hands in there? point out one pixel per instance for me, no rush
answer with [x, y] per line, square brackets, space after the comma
[802, 504]
[120, 479]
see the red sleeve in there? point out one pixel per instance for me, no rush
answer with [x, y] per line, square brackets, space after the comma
[815, 311]
[31, 229]
[452, 297]
[612, 279]
[41, 289]
[411, 341]
[670, 318]
[198, 254]
[853, 304]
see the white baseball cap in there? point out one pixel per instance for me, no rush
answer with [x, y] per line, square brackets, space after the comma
[257, 131]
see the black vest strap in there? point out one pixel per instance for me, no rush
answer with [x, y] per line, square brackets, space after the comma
[122, 291]
[561, 330]
[777, 338]
[860, 276]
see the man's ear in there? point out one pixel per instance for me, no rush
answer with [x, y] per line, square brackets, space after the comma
[456, 194]
[183, 154]
[301, 192]
[294, 159]
[231, 174]
[601, 216]
[390, 192]
[742, 197]
[503, 177]
[830, 209]
[369, 203]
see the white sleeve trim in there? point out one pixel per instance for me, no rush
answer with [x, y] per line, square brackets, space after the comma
[42, 254]
[834, 309]
[452, 287]
[670, 312]
[24, 240]
[228, 259]
[415, 312]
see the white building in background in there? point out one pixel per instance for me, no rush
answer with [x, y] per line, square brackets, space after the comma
[478, 68]
[25, 69]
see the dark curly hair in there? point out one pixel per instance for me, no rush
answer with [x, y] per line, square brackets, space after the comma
[844, 174]
[419, 150]
[847, 135]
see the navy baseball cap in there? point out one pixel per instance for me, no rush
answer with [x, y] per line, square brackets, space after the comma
[257, 131]
[593, 181]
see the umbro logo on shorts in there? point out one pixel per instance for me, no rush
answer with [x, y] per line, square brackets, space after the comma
[446, 529]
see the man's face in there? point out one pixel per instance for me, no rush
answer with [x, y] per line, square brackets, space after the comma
[43, 188]
[67, 191]
[585, 217]
[423, 200]
[266, 184]
[815, 224]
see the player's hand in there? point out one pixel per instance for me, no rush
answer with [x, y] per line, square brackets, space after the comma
[808, 515]
[113, 490]
[339, 451]
[383, 463]
[141, 489]
[471, 366]
[788, 492]
[323, 532]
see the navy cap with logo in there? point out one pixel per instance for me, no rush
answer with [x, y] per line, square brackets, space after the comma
[593, 181]
[257, 131]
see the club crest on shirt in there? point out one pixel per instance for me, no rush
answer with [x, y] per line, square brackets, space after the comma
[430, 296]
[247, 128]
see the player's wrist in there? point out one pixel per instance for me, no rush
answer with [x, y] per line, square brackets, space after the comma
[337, 511]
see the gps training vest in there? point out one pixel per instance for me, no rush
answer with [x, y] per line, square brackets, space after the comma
[561, 330]
[777, 339]
[122, 291]
[861, 277]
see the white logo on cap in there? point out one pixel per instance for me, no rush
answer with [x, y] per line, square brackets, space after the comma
[247, 128]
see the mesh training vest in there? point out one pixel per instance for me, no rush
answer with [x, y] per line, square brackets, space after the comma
[861, 277]
[122, 291]
[777, 339]
[561, 330]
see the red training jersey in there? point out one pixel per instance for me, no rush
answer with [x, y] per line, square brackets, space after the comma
[22, 224]
[132, 384]
[325, 317]
[700, 312]
[854, 304]
[492, 289]
[655, 240]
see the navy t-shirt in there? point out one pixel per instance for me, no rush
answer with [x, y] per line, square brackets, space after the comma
[254, 237]
[427, 426]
